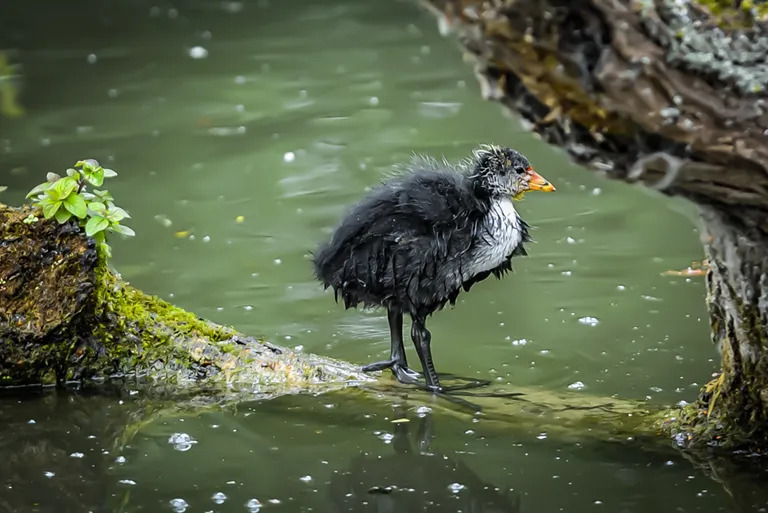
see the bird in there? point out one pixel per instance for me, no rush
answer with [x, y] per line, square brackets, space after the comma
[424, 235]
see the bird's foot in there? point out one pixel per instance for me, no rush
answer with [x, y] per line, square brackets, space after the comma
[402, 372]
[405, 375]
[378, 366]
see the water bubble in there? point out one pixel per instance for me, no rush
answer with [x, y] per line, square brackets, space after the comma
[31, 421]
[92, 58]
[520, 342]
[248, 307]
[373, 100]
[218, 498]
[456, 487]
[181, 441]
[76, 455]
[289, 156]
[306, 479]
[422, 411]
[589, 321]
[49, 474]
[253, 505]
[179, 505]
[576, 385]
[198, 52]
[621, 287]
[278, 261]
[542, 436]
[206, 239]
[274, 501]
[129, 482]
[120, 459]
[163, 220]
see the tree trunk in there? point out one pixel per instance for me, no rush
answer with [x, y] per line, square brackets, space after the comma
[66, 317]
[672, 94]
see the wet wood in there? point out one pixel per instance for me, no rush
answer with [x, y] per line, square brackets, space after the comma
[66, 318]
[671, 94]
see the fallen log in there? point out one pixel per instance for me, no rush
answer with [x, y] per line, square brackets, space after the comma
[671, 94]
[67, 317]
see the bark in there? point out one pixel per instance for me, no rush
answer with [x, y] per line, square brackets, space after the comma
[671, 94]
[66, 317]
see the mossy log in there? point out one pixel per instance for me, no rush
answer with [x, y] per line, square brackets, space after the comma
[671, 94]
[65, 317]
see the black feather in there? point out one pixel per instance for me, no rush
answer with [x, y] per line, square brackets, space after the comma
[401, 246]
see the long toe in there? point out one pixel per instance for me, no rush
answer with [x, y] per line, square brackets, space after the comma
[412, 373]
[405, 375]
[377, 366]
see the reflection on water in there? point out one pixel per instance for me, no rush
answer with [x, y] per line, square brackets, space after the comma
[414, 479]
[328, 455]
[240, 131]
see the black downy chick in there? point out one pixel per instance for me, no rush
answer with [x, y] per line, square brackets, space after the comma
[421, 237]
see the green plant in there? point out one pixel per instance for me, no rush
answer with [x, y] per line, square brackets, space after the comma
[64, 198]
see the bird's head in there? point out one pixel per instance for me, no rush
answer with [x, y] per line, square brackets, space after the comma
[504, 172]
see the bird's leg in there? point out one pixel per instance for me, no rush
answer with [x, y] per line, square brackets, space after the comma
[400, 367]
[397, 360]
[422, 339]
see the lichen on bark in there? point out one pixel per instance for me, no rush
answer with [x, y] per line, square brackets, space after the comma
[66, 316]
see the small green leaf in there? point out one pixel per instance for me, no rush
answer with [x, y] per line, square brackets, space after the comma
[97, 208]
[95, 225]
[3, 188]
[73, 172]
[63, 215]
[108, 173]
[117, 214]
[87, 196]
[76, 204]
[40, 189]
[123, 230]
[100, 236]
[104, 195]
[50, 208]
[52, 177]
[64, 187]
[95, 178]
[107, 250]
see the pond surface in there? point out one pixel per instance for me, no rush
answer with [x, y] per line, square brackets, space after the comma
[241, 131]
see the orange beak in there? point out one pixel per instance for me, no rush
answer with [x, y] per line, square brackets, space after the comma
[536, 182]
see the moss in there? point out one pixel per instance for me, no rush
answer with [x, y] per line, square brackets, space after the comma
[730, 16]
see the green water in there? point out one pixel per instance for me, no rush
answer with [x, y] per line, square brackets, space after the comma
[297, 108]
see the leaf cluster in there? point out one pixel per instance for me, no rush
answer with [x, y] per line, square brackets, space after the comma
[67, 198]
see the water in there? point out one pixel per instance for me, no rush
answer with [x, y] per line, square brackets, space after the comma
[285, 115]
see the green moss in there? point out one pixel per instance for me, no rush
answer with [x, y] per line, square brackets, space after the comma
[145, 311]
[728, 15]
